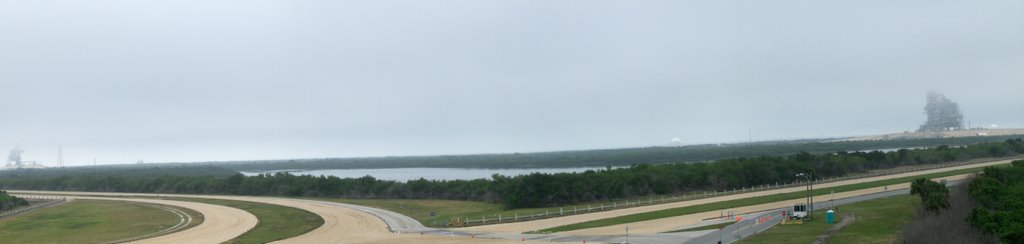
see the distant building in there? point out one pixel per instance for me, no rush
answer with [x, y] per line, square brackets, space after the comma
[943, 114]
[14, 161]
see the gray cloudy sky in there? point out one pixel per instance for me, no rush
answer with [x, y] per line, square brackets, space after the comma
[183, 80]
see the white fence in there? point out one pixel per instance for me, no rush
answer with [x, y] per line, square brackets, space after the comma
[46, 201]
[644, 201]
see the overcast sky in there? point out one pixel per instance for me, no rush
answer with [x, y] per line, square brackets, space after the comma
[122, 81]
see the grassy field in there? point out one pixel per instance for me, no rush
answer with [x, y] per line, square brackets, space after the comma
[276, 222]
[801, 233]
[743, 202]
[878, 221]
[86, 221]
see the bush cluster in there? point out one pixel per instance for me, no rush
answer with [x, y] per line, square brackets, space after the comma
[999, 194]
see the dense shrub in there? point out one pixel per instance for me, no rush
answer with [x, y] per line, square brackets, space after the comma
[999, 193]
[9, 202]
[934, 195]
[947, 226]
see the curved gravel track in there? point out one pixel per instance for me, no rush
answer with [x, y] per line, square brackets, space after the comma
[220, 223]
[343, 223]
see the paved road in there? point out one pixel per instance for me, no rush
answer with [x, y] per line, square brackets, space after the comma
[669, 224]
[753, 224]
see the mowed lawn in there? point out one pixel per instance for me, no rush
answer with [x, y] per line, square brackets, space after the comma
[276, 222]
[86, 221]
[878, 221]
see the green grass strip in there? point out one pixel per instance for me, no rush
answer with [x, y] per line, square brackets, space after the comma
[878, 221]
[276, 222]
[743, 202]
[708, 227]
[86, 221]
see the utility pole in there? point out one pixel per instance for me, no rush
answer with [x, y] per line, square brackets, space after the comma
[810, 185]
[808, 181]
[831, 200]
[60, 156]
[810, 197]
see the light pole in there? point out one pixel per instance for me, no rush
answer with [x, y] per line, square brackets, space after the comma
[810, 192]
[810, 198]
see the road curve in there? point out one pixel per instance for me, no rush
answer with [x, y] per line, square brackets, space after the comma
[343, 223]
[220, 223]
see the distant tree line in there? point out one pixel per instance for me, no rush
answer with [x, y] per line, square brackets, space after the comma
[605, 157]
[537, 189]
[999, 194]
[8, 202]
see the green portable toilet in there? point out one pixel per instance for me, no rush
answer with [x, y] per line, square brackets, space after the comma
[830, 217]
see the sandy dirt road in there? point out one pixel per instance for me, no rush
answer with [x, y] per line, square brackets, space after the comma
[520, 227]
[220, 223]
[341, 224]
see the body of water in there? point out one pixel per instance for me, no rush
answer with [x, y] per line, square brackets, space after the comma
[404, 174]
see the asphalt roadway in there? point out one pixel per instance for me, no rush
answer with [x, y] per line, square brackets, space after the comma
[752, 223]
[756, 223]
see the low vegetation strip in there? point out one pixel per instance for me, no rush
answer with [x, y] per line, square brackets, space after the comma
[8, 202]
[744, 202]
[33, 205]
[275, 222]
[87, 221]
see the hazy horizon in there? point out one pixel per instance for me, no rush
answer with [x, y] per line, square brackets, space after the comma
[189, 81]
